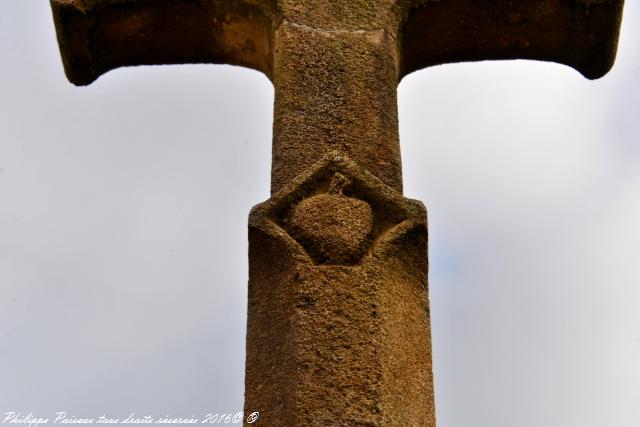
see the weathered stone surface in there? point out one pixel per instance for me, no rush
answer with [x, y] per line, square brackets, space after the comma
[582, 34]
[342, 341]
[96, 36]
[335, 90]
[334, 64]
[338, 328]
[332, 227]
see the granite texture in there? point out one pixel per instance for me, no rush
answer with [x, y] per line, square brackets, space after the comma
[338, 327]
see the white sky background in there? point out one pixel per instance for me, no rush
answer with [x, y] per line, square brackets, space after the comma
[123, 253]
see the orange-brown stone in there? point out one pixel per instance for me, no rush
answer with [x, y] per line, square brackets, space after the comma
[338, 315]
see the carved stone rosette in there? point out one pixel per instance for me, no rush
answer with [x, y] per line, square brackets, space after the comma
[338, 316]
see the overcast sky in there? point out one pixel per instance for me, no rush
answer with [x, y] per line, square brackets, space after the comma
[123, 241]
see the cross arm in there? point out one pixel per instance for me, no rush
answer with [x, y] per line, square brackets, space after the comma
[580, 33]
[96, 36]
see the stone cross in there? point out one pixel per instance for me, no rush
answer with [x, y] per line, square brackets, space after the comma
[338, 317]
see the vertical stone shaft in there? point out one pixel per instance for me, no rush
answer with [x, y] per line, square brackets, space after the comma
[335, 90]
[335, 339]
[338, 316]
